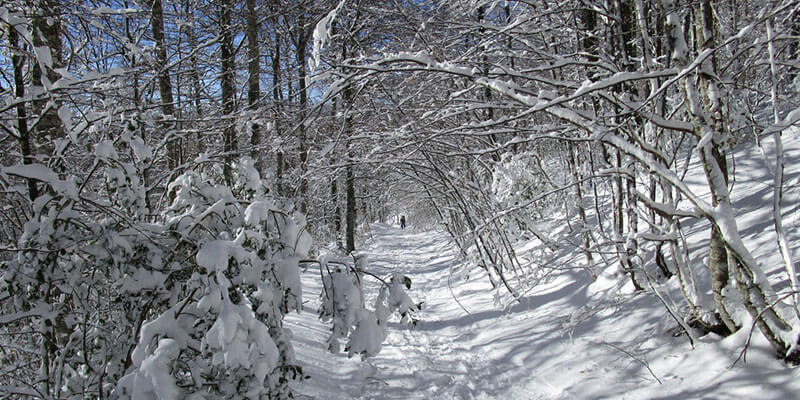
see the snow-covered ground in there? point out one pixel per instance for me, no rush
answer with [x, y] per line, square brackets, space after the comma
[568, 338]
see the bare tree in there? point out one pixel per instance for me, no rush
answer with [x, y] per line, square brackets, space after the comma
[227, 85]
[164, 84]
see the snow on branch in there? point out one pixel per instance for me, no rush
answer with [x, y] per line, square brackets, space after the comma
[322, 33]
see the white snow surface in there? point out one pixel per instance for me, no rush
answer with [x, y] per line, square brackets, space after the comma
[569, 337]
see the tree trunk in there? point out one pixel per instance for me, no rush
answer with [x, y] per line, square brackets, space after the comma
[253, 88]
[226, 84]
[337, 212]
[487, 91]
[23, 139]
[717, 254]
[585, 239]
[47, 34]
[301, 44]
[350, 210]
[276, 94]
[718, 257]
[194, 75]
[794, 45]
[347, 100]
[590, 42]
[164, 84]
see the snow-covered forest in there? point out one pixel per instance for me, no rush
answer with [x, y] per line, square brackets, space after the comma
[202, 199]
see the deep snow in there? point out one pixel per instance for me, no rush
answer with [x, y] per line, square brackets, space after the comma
[569, 337]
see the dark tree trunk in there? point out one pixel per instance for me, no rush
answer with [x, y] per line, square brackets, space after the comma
[350, 216]
[226, 84]
[277, 95]
[336, 218]
[198, 146]
[47, 33]
[487, 92]
[22, 118]
[585, 239]
[347, 101]
[164, 84]
[301, 44]
[253, 88]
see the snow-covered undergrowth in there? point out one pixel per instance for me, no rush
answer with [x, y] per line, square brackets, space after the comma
[568, 337]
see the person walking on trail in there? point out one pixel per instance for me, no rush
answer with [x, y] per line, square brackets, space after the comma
[402, 222]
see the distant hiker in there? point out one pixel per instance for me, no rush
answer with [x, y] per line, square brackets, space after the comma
[402, 222]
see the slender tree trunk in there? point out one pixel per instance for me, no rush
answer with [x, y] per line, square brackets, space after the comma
[277, 94]
[197, 147]
[585, 239]
[794, 45]
[350, 210]
[487, 92]
[624, 37]
[253, 88]
[619, 220]
[633, 218]
[23, 139]
[347, 100]
[164, 84]
[625, 249]
[301, 44]
[47, 35]
[137, 100]
[718, 256]
[337, 212]
[226, 83]
[778, 180]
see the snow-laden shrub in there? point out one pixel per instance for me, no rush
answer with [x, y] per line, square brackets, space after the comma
[343, 305]
[223, 336]
[104, 298]
[516, 180]
[87, 269]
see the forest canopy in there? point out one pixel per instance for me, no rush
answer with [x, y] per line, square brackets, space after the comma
[169, 168]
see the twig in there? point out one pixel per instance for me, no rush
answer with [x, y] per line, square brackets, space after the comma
[672, 314]
[453, 294]
[185, 303]
[641, 360]
[743, 354]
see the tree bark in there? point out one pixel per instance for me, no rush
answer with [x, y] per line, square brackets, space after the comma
[23, 139]
[350, 210]
[347, 100]
[226, 84]
[197, 147]
[718, 256]
[337, 212]
[585, 239]
[487, 92]
[301, 44]
[277, 94]
[253, 88]
[47, 34]
[164, 83]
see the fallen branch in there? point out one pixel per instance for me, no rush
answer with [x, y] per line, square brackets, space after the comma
[640, 360]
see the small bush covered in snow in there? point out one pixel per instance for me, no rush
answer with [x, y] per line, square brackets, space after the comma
[343, 304]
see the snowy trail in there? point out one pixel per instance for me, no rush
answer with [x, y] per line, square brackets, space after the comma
[568, 338]
[449, 354]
